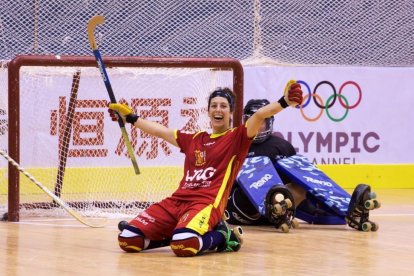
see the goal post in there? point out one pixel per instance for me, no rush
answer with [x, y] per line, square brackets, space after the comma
[99, 180]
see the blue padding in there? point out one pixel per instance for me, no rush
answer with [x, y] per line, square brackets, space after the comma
[303, 173]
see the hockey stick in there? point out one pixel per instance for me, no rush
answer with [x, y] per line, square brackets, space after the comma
[56, 199]
[64, 142]
[93, 22]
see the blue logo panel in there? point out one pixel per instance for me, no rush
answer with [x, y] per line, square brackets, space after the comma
[301, 171]
[256, 177]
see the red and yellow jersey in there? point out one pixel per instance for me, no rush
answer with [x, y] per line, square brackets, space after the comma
[212, 162]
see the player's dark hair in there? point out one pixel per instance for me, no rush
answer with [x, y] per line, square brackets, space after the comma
[225, 93]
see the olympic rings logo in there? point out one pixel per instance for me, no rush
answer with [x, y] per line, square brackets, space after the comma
[330, 101]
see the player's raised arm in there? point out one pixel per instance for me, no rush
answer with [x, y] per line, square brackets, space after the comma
[150, 127]
[292, 97]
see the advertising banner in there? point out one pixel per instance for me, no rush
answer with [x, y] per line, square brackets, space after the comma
[350, 115]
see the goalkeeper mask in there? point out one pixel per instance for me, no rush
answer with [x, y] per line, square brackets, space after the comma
[267, 128]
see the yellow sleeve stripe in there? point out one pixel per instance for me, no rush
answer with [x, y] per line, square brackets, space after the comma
[175, 134]
[197, 134]
[224, 184]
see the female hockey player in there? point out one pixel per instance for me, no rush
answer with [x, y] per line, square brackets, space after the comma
[190, 220]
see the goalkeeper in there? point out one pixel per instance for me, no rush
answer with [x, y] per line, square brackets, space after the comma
[190, 220]
[242, 209]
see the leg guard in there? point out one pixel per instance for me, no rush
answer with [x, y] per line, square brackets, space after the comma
[255, 179]
[280, 208]
[186, 244]
[362, 201]
[131, 239]
[306, 175]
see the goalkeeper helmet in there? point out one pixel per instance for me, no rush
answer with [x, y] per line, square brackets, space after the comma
[266, 130]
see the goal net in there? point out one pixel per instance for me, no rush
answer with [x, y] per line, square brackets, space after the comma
[61, 133]
[320, 32]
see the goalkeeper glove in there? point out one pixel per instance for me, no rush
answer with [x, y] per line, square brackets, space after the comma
[292, 96]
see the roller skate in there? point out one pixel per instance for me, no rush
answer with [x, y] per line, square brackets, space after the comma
[280, 208]
[362, 201]
[233, 237]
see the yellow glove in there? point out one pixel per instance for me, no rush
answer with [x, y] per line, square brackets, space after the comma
[123, 110]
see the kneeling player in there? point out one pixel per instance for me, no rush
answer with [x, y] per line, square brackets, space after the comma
[190, 220]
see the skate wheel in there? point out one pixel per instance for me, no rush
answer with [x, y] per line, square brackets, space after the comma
[279, 197]
[238, 231]
[278, 209]
[295, 223]
[369, 204]
[226, 215]
[285, 228]
[372, 195]
[374, 226]
[288, 202]
[377, 204]
[366, 226]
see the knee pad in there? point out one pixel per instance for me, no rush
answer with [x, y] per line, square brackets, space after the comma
[131, 240]
[186, 244]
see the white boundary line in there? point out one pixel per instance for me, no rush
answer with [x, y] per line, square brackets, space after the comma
[49, 221]
[392, 215]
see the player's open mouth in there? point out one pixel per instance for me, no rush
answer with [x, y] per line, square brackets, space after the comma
[218, 117]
